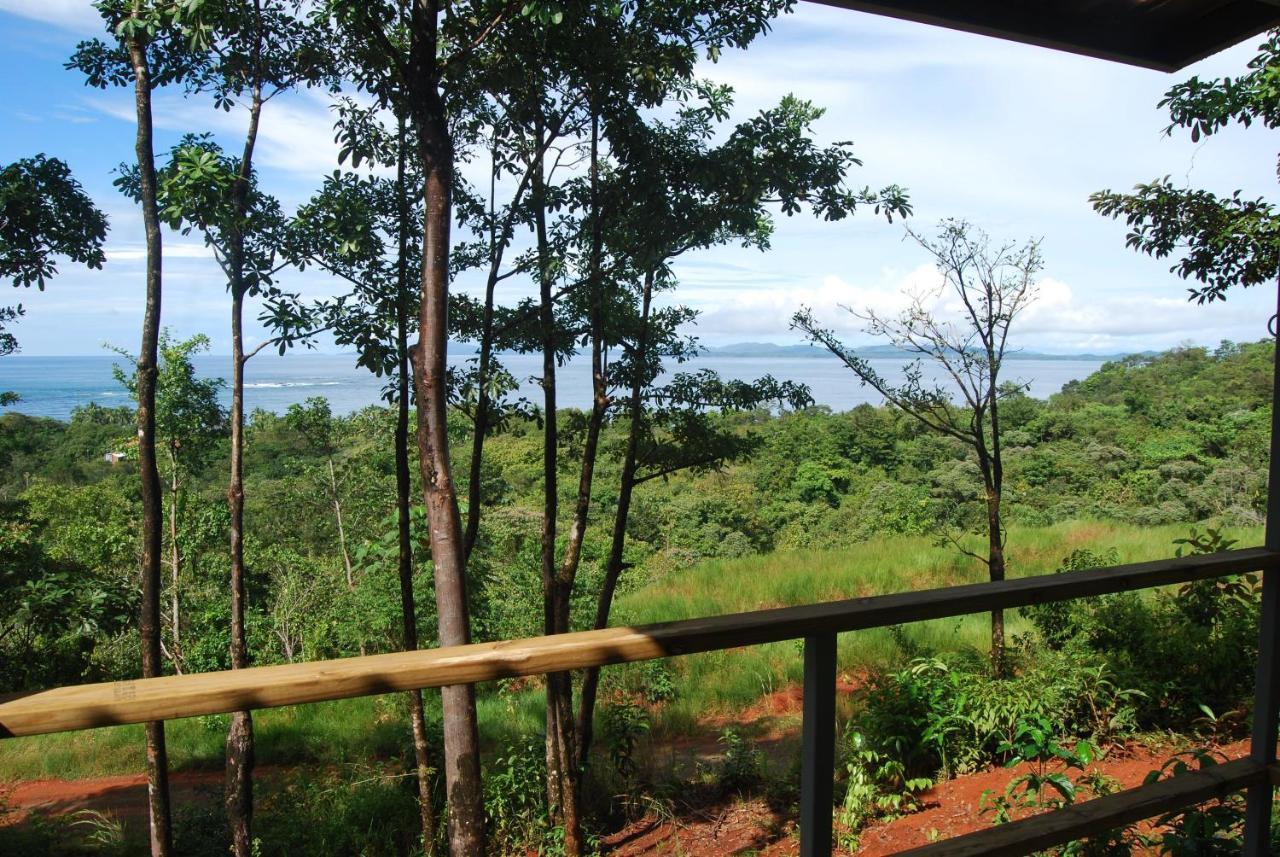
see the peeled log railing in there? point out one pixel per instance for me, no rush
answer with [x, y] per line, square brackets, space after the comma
[88, 706]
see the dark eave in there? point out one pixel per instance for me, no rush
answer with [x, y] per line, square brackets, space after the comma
[1159, 34]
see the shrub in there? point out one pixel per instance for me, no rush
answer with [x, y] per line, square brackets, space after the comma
[876, 787]
[515, 796]
[1180, 650]
[742, 766]
[372, 811]
[625, 723]
[950, 715]
[1047, 783]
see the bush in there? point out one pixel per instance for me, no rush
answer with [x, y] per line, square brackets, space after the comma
[949, 715]
[742, 768]
[373, 812]
[876, 787]
[515, 796]
[625, 723]
[1181, 650]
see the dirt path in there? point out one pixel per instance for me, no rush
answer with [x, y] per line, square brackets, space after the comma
[752, 826]
[124, 796]
[704, 823]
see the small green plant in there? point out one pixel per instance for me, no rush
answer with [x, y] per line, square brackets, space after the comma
[1046, 784]
[648, 681]
[1211, 828]
[877, 788]
[102, 831]
[1211, 540]
[742, 767]
[515, 795]
[625, 723]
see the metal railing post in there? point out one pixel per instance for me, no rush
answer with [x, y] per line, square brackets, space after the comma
[818, 756]
[1266, 700]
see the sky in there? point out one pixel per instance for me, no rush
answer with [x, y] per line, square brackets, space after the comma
[1010, 137]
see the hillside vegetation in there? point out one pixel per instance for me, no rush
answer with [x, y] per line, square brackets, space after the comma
[1115, 468]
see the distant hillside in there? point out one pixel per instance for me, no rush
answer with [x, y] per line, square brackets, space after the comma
[769, 349]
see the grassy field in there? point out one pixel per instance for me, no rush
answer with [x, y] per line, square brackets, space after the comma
[703, 685]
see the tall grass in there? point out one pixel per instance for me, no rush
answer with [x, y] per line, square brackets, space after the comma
[705, 685]
[721, 682]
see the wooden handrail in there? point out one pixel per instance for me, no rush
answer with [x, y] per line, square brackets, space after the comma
[108, 704]
[1078, 821]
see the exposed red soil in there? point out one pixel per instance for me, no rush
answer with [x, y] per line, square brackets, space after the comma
[124, 795]
[736, 826]
[702, 824]
[952, 808]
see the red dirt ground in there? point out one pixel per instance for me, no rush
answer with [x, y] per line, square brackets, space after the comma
[703, 828]
[124, 796]
[951, 809]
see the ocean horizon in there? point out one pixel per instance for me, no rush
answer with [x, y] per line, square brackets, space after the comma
[55, 386]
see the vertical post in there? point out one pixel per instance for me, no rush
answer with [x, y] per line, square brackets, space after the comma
[818, 756]
[1266, 704]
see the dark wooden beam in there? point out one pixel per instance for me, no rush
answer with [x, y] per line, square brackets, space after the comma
[1165, 37]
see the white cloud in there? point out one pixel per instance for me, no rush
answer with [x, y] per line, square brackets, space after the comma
[295, 135]
[76, 15]
[135, 253]
[766, 312]
[1061, 319]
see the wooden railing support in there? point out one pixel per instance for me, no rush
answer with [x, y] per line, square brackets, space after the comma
[1266, 699]
[818, 755]
[1266, 709]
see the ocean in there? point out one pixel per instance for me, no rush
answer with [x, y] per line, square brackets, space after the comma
[54, 386]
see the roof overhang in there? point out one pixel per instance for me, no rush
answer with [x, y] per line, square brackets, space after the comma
[1159, 34]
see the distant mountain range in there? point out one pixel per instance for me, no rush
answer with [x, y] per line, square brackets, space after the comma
[769, 349]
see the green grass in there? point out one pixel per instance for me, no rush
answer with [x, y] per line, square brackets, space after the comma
[721, 682]
[709, 684]
[328, 733]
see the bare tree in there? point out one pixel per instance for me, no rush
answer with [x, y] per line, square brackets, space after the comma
[962, 330]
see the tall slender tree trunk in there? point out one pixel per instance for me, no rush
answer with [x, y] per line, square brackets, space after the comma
[240, 755]
[498, 238]
[408, 609]
[152, 502]
[564, 777]
[995, 552]
[560, 782]
[614, 565]
[461, 735]
[992, 466]
[481, 421]
[175, 569]
[342, 532]
[240, 744]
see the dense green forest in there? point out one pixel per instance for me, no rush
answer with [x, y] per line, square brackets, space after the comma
[1148, 445]
[1179, 438]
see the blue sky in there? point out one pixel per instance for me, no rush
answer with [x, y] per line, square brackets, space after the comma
[1011, 137]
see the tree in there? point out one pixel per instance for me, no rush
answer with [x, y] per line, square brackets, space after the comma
[992, 285]
[363, 231]
[683, 194]
[189, 420]
[44, 214]
[1222, 241]
[406, 58]
[262, 48]
[198, 190]
[314, 421]
[152, 44]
